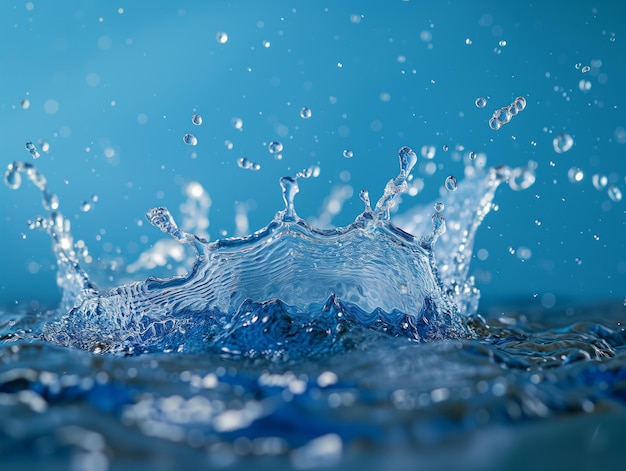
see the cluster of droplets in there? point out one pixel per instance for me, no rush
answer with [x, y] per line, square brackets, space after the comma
[13, 179]
[190, 139]
[33, 150]
[247, 164]
[601, 183]
[275, 148]
[504, 115]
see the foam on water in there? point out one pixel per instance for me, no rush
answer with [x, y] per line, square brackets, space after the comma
[289, 289]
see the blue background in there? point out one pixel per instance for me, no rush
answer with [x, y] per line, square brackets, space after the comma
[107, 68]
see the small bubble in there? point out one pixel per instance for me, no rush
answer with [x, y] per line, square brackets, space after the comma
[614, 193]
[439, 206]
[472, 155]
[25, 103]
[94, 198]
[266, 44]
[575, 175]
[196, 119]
[348, 154]
[599, 181]
[33, 150]
[445, 147]
[85, 206]
[450, 183]
[481, 102]
[275, 147]
[246, 164]
[562, 143]
[502, 43]
[586, 69]
[221, 37]
[228, 144]
[468, 41]
[190, 139]
[237, 123]
[578, 261]
[305, 113]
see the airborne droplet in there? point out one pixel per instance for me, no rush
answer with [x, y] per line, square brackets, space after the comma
[247, 164]
[32, 149]
[221, 37]
[190, 139]
[275, 147]
[450, 183]
[562, 143]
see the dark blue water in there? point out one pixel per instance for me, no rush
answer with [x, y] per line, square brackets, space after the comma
[451, 317]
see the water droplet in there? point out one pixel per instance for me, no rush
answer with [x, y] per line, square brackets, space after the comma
[190, 139]
[237, 123]
[445, 147]
[348, 154]
[575, 175]
[32, 149]
[481, 102]
[614, 193]
[472, 155]
[85, 206]
[494, 124]
[450, 183]
[599, 181]
[439, 206]
[586, 69]
[578, 261]
[266, 43]
[502, 43]
[503, 115]
[275, 147]
[562, 143]
[196, 119]
[221, 37]
[246, 164]
[12, 177]
[25, 103]
[306, 113]
[428, 152]
[44, 145]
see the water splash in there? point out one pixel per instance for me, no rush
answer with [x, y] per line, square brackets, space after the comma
[288, 290]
